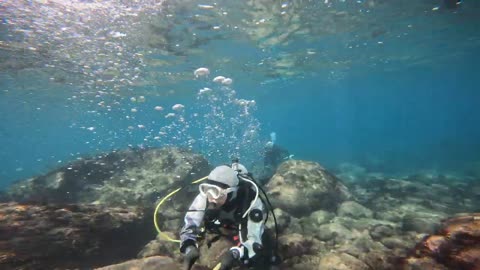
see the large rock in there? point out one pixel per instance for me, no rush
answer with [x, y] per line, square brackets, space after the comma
[119, 178]
[69, 236]
[455, 246]
[301, 187]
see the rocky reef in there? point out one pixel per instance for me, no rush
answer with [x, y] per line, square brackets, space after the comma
[120, 178]
[69, 236]
[301, 187]
[97, 212]
[455, 246]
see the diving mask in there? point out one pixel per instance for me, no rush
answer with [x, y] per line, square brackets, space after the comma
[214, 191]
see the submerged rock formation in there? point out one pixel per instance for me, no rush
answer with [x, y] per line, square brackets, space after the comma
[301, 187]
[455, 246]
[69, 236]
[120, 178]
[322, 224]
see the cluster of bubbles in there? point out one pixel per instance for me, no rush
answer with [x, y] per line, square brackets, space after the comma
[85, 42]
[217, 124]
[229, 128]
[97, 41]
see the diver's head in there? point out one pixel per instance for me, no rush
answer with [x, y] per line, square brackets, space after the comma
[269, 145]
[221, 185]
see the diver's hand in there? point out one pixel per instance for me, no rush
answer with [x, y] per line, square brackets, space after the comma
[185, 244]
[191, 255]
[228, 259]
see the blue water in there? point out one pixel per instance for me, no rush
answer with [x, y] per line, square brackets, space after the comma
[382, 112]
[426, 121]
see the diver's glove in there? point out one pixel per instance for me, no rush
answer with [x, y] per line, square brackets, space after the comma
[190, 251]
[185, 244]
[191, 255]
[229, 258]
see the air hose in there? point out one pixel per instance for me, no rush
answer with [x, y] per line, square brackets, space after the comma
[164, 235]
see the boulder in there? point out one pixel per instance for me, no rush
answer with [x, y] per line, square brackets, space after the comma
[69, 236]
[456, 245]
[301, 187]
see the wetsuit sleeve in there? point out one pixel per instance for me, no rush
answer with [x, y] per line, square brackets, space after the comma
[192, 221]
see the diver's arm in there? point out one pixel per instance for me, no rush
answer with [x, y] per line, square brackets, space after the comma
[193, 219]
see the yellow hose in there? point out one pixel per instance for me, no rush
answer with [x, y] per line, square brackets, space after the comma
[164, 235]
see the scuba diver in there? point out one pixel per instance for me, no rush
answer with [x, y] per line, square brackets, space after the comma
[229, 205]
[274, 155]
